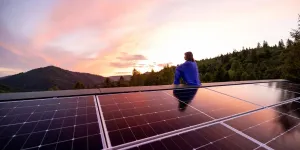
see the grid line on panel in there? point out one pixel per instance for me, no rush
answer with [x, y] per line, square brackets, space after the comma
[43, 130]
[59, 134]
[234, 97]
[189, 105]
[74, 128]
[47, 129]
[142, 114]
[100, 123]
[180, 131]
[156, 121]
[104, 124]
[265, 144]
[179, 134]
[52, 129]
[246, 136]
[283, 102]
[164, 135]
[43, 111]
[60, 141]
[47, 119]
[17, 132]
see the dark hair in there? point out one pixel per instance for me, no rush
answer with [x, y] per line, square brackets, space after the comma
[189, 56]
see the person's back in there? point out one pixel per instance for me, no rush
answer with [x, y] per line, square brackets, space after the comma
[188, 71]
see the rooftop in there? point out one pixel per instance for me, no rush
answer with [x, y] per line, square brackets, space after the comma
[260, 114]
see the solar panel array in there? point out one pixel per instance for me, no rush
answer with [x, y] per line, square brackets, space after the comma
[246, 116]
[59, 123]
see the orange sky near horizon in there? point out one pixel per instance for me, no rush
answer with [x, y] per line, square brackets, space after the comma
[111, 37]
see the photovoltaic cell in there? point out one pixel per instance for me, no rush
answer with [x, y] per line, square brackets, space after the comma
[270, 127]
[59, 123]
[212, 137]
[133, 116]
[261, 95]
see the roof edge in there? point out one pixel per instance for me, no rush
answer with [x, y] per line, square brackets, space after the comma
[85, 92]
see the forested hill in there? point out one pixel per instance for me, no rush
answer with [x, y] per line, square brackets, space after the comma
[48, 78]
[263, 62]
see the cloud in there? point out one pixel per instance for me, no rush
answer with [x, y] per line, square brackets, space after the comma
[8, 71]
[165, 64]
[128, 57]
[123, 73]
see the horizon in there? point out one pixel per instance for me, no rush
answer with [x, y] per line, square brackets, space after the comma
[141, 34]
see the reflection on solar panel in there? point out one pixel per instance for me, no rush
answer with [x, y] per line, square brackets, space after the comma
[261, 95]
[247, 116]
[66, 123]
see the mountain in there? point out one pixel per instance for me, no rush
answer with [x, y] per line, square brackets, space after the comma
[42, 79]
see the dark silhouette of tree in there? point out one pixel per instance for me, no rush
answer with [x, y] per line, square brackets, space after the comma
[281, 44]
[79, 85]
[54, 88]
[107, 83]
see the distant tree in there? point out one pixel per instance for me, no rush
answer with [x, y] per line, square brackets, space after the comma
[245, 76]
[79, 85]
[265, 44]
[289, 43]
[281, 44]
[236, 65]
[4, 89]
[296, 32]
[291, 67]
[258, 45]
[122, 82]
[107, 83]
[54, 88]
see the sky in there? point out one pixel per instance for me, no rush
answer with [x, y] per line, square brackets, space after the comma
[111, 37]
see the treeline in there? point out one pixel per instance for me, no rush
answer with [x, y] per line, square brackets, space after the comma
[162, 77]
[263, 62]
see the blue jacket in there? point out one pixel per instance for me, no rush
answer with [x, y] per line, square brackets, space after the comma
[188, 71]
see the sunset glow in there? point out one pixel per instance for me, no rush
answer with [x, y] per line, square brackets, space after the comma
[111, 37]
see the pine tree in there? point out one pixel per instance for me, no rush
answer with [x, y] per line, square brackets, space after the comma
[281, 44]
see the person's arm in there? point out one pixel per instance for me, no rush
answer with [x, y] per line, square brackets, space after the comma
[177, 75]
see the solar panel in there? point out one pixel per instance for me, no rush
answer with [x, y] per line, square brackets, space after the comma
[260, 95]
[215, 136]
[272, 128]
[134, 116]
[58, 123]
[250, 116]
